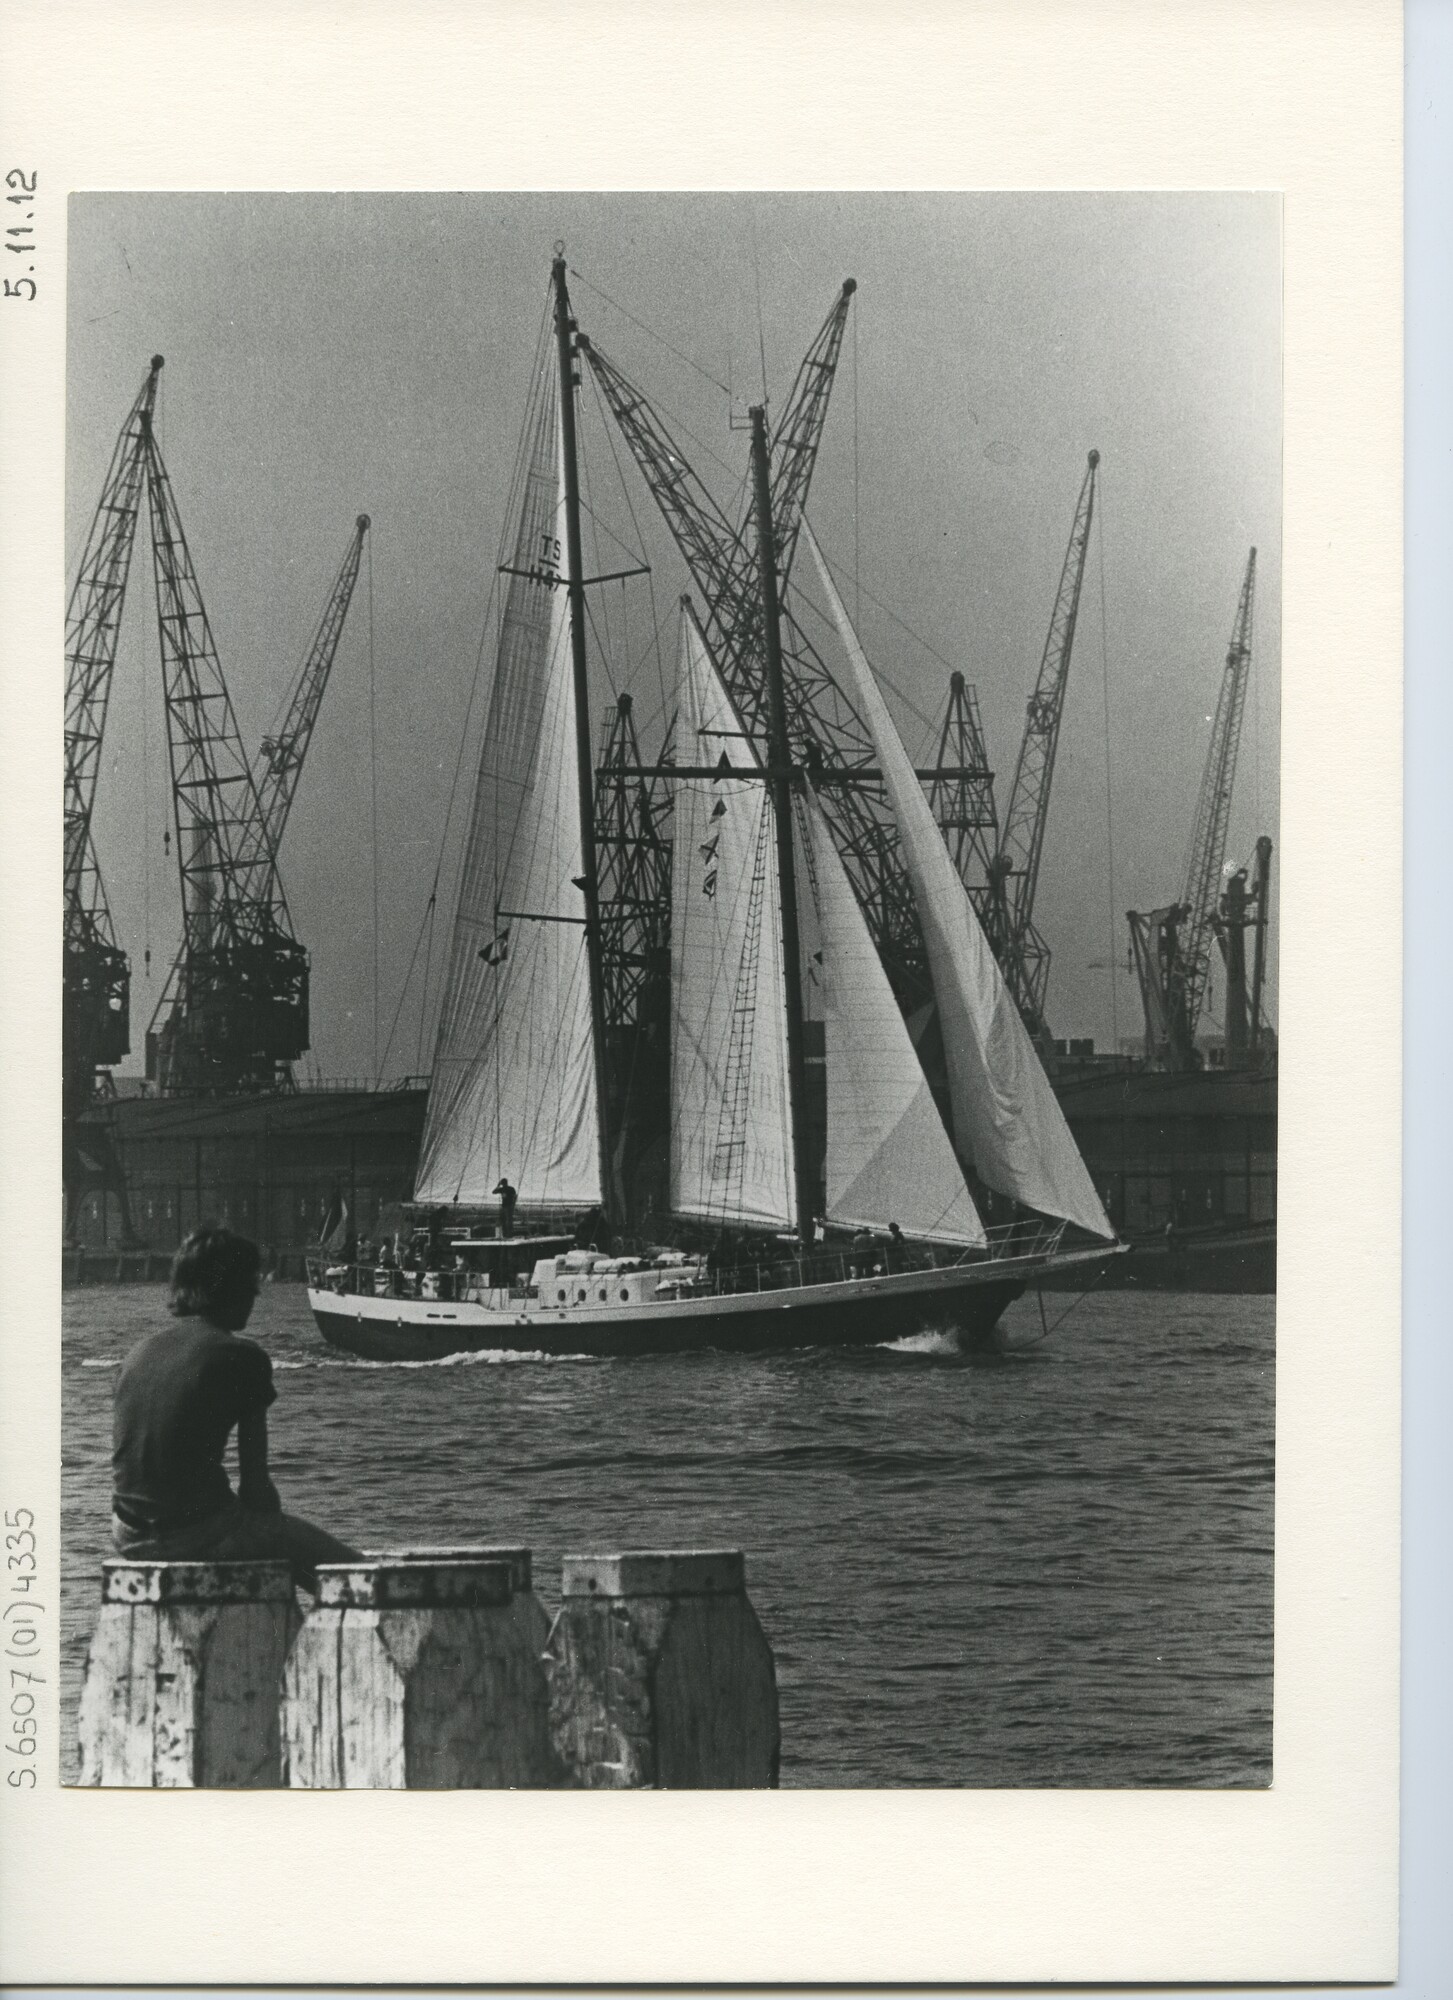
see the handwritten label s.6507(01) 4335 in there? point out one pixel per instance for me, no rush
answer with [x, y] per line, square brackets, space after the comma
[20, 1617]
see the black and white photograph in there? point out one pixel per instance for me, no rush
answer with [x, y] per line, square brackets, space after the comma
[703, 1019]
[671, 989]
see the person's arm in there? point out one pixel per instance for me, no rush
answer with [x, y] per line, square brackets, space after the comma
[255, 1489]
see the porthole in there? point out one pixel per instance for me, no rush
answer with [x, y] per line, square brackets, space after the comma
[561, 1295]
[604, 1295]
[581, 1295]
[625, 1295]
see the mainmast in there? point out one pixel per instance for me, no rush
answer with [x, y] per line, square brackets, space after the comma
[779, 782]
[588, 879]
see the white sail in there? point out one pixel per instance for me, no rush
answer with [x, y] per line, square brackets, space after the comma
[889, 1158]
[1006, 1116]
[513, 1091]
[731, 1135]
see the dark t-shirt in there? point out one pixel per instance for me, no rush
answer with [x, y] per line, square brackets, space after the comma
[179, 1396]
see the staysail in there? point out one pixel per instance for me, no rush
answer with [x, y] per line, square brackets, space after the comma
[731, 1129]
[513, 1091]
[889, 1158]
[1006, 1116]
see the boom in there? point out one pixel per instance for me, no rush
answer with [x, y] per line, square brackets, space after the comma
[97, 980]
[281, 754]
[240, 1012]
[1007, 905]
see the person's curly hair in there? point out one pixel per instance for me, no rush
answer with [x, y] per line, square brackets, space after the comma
[212, 1264]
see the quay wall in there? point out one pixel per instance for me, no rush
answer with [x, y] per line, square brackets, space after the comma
[272, 1167]
[1191, 1151]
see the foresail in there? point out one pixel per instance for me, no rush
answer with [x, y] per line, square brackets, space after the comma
[1006, 1116]
[889, 1158]
[731, 1145]
[513, 1091]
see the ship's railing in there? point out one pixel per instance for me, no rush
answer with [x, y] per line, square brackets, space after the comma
[375, 1086]
[882, 1257]
[1006, 1243]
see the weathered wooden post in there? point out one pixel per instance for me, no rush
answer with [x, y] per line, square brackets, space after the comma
[660, 1674]
[183, 1674]
[525, 1605]
[419, 1674]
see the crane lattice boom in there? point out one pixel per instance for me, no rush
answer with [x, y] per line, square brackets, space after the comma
[240, 1014]
[1007, 906]
[281, 754]
[1207, 853]
[96, 988]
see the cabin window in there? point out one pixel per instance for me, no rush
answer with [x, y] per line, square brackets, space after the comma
[562, 1295]
[604, 1294]
[625, 1294]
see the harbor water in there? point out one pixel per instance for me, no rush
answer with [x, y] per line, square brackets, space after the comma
[1048, 1566]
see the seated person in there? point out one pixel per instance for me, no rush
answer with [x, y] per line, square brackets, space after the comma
[181, 1393]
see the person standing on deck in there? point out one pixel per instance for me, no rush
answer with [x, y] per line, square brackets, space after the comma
[181, 1393]
[507, 1200]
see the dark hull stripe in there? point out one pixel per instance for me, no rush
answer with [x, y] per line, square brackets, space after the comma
[973, 1308]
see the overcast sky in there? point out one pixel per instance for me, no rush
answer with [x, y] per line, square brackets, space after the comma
[330, 355]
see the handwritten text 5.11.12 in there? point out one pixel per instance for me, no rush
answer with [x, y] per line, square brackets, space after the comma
[20, 233]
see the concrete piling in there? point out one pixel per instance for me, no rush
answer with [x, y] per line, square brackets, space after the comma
[181, 1683]
[417, 1674]
[660, 1674]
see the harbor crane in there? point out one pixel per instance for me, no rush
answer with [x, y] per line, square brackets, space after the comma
[1172, 946]
[95, 1006]
[281, 755]
[961, 791]
[239, 1016]
[1005, 903]
[1246, 907]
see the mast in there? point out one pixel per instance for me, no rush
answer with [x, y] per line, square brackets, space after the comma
[779, 781]
[588, 879]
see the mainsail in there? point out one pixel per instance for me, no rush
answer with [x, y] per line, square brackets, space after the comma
[514, 1089]
[731, 1130]
[889, 1158]
[1006, 1116]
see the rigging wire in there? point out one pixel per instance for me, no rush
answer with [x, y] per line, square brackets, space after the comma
[373, 799]
[879, 672]
[705, 373]
[424, 989]
[640, 550]
[1109, 791]
[145, 801]
[857, 536]
[888, 612]
[761, 334]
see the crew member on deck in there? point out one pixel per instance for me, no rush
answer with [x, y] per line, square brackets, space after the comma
[181, 1393]
[507, 1200]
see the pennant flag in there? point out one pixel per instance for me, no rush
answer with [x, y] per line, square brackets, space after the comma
[718, 809]
[709, 847]
[498, 949]
[708, 887]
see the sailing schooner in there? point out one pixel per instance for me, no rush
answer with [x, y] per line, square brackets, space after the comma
[770, 952]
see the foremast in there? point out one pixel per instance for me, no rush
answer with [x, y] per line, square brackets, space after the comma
[779, 785]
